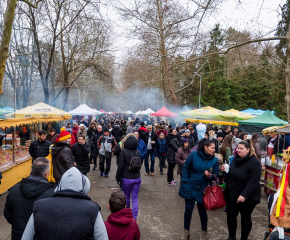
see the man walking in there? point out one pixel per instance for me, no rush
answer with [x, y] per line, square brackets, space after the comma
[39, 147]
[106, 144]
[21, 198]
[84, 122]
[150, 141]
[68, 214]
[62, 157]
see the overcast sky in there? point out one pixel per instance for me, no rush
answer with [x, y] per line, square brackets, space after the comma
[257, 16]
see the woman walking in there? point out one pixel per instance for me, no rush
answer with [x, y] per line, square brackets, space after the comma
[131, 180]
[181, 155]
[173, 146]
[195, 177]
[226, 148]
[255, 141]
[243, 190]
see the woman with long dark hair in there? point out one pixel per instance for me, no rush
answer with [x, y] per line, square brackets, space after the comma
[226, 148]
[243, 190]
[255, 142]
[199, 169]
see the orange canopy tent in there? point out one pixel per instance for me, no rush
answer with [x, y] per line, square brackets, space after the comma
[164, 112]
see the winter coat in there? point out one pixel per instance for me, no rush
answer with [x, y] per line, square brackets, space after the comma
[153, 138]
[91, 133]
[124, 129]
[258, 151]
[122, 225]
[85, 123]
[191, 141]
[62, 159]
[20, 200]
[173, 146]
[50, 138]
[162, 146]
[193, 179]
[39, 149]
[162, 131]
[75, 131]
[130, 129]
[80, 153]
[94, 144]
[244, 179]
[129, 148]
[142, 148]
[117, 133]
[106, 145]
[181, 157]
[81, 132]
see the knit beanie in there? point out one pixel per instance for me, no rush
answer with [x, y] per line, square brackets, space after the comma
[184, 140]
[62, 129]
[64, 135]
[220, 135]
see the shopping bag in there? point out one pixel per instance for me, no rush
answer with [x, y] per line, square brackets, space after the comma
[213, 197]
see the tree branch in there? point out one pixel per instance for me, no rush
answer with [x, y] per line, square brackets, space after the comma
[31, 4]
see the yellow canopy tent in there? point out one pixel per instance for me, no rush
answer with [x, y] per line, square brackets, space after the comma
[211, 121]
[38, 110]
[239, 115]
[207, 113]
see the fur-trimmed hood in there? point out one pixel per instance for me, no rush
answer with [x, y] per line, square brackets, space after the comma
[129, 142]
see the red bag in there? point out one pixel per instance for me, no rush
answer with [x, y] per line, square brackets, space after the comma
[214, 197]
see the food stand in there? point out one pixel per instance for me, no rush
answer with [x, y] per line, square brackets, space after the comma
[15, 161]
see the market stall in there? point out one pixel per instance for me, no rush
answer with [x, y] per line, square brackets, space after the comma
[164, 112]
[191, 120]
[274, 162]
[15, 161]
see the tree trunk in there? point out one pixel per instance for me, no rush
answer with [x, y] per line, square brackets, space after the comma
[287, 98]
[6, 34]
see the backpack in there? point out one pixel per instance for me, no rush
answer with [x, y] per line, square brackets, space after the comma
[135, 163]
[137, 126]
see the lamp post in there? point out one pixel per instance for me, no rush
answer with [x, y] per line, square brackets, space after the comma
[199, 89]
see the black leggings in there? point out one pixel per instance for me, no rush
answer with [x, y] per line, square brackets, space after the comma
[171, 167]
[233, 210]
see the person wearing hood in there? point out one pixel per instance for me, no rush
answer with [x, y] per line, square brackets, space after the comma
[68, 214]
[131, 180]
[21, 197]
[243, 189]
[117, 132]
[120, 223]
[199, 169]
[80, 151]
[218, 142]
[61, 155]
[173, 146]
[82, 131]
[181, 155]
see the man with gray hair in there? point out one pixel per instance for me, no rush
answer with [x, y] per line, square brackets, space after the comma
[21, 198]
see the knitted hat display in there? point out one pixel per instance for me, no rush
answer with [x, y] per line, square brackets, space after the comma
[64, 135]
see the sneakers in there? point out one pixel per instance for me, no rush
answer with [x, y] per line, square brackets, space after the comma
[106, 175]
[174, 181]
[101, 174]
[165, 166]
[94, 168]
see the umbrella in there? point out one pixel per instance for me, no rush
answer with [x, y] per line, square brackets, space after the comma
[207, 113]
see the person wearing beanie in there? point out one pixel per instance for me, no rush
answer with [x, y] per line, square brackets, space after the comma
[190, 138]
[181, 156]
[62, 157]
[68, 214]
[218, 141]
[82, 131]
[106, 145]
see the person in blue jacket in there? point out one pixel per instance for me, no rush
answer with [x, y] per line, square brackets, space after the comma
[199, 169]
[142, 148]
[162, 149]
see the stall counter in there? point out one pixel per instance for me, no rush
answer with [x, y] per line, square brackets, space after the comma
[272, 178]
[14, 175]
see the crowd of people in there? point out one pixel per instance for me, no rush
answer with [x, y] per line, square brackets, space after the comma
[201, 154]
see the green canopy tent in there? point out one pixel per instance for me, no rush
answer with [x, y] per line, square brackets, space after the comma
[267, 119]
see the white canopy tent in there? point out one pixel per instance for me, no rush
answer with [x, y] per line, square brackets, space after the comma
[147, 112]
[129, 112]
[83, 110]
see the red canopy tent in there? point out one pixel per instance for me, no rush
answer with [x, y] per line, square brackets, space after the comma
[103, 111]
[164, 112]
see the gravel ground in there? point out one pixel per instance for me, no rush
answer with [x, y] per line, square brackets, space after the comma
[160, 209]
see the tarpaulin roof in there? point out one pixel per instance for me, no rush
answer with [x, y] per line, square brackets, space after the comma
[239, 115]
[212, 122]
[267, 119]
[164, 112]
[83, 110]
[207, 113]
[255, 112]
[39, 110]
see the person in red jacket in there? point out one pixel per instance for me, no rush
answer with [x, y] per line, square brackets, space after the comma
[120, 223]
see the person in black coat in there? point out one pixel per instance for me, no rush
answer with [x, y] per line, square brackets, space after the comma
[21, 198]
[131, 180]
[117, 132]
[151, 140]
[173, 146]
[39, 147]
[243, 190]
[80, 151]
[94, 145]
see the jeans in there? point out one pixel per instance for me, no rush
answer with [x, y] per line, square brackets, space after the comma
[233, 210]
[102, 164]
[171, 167]
[152, 159]
[162, 159]
[189, 206]
[132, 185]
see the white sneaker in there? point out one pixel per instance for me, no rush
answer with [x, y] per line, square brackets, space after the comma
[174, 181]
